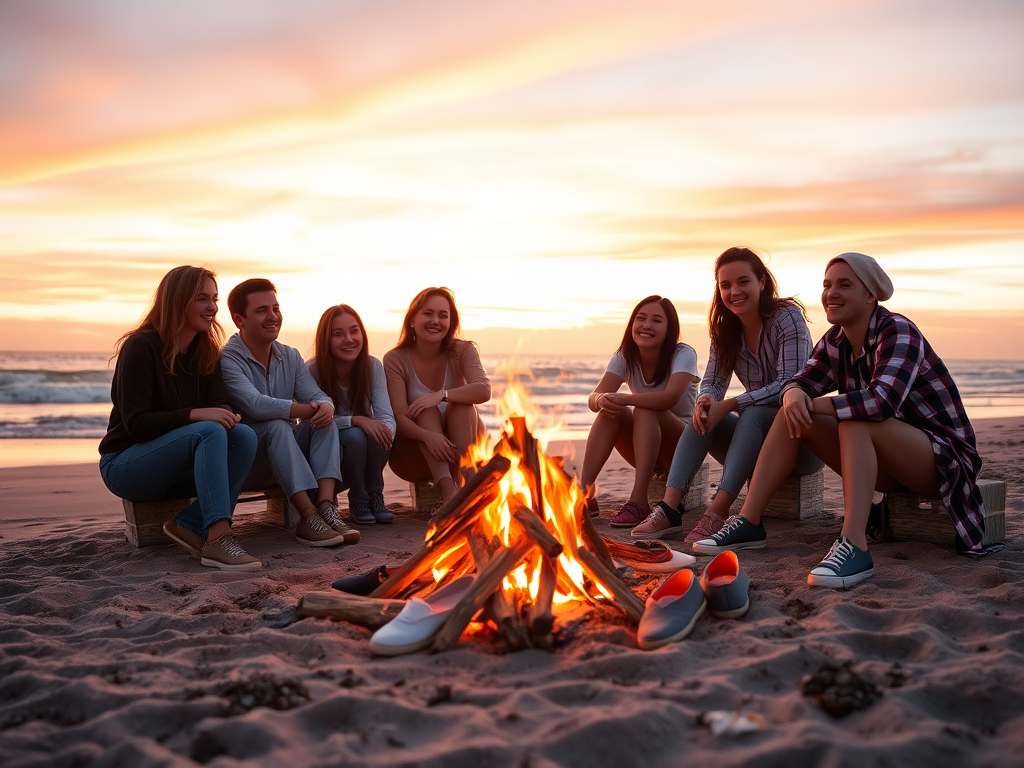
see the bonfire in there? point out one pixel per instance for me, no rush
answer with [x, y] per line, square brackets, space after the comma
[520, 523]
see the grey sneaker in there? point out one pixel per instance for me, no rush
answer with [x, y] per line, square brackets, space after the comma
[314, 532]
[361, 512]
[726, 587]
[329, 513]
[380, 512]
[843, 566]
[737, 533]
[227, 554]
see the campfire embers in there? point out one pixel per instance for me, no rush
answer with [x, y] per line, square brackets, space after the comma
[520, 524]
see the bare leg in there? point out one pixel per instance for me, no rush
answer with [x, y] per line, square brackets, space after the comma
[881, 455]
[326, 490]
[605, 434]
[778, 457]
[655, 435]
[218, 529]
[301, 502]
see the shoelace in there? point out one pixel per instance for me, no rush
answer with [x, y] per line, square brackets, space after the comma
[330, 515]
[731, 524]
[838, 554]
[230, 546]
[317, 525]
[653, 517]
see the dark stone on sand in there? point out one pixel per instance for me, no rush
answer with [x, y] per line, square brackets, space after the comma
[838, 689]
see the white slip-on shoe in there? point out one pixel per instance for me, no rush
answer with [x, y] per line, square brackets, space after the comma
[415, 626]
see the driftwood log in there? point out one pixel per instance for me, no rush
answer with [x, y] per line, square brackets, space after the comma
[361, 611]
[624, 598]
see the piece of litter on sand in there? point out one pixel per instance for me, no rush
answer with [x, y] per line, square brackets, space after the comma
[725, 723]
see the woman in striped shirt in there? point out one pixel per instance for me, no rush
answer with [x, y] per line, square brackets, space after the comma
[763, 339]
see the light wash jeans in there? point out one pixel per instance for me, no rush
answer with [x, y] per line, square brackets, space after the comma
[735, 444]
[362, 464]
[204, 460]
[296, 457]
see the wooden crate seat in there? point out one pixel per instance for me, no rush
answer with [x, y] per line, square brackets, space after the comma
[144, 519]
[915, 518]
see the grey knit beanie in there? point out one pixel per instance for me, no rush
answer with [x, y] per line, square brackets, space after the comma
[867, 269]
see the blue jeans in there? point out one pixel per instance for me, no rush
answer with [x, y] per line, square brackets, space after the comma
[362, 464]
[735, 444]
[204, 460]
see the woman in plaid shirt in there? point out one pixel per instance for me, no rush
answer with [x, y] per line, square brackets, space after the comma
[897, 422]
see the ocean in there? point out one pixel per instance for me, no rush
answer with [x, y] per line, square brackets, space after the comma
[54, 405]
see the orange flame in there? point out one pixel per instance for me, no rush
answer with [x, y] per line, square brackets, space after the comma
[562, 512]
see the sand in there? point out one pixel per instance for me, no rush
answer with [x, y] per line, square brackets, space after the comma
[116, 656]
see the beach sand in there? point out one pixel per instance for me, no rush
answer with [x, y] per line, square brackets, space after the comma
[115, 656]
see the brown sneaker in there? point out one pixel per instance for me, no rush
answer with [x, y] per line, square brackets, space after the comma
[330, 515]
[708, 525]
[227, 554]
[193, 542]
[314, 532]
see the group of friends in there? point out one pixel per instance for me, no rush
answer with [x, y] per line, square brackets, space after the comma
[194, 419]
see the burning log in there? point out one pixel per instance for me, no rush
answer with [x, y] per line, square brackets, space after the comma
[502, 612]
[453, 519]
[594, 542]
[625, 598]
[361, 611]
[487, 582]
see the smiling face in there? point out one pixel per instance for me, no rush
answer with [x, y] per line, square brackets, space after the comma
[432, 322]
[650, 326]
[845, 298]
[739, 288]
[261, 323]
[346, 338]
[201, 312]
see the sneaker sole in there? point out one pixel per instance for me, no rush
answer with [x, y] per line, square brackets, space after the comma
[657, 534]
[339, 539]
[230, 566]
[384, 520]
[707, 549]
[735, 613]
[368, 521]
[648, 645]
[838, 582]
[400, 650]
[183, 543]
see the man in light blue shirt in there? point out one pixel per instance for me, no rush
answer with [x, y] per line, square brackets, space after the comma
[270, 386]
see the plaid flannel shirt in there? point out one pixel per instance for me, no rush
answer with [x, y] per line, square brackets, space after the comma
[899, 376]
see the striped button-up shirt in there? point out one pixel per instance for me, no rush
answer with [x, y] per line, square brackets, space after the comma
[783, 350]
[898, 375]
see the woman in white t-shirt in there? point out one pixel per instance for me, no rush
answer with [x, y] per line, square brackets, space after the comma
[644, 425]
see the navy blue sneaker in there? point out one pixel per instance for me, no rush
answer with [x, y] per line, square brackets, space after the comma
[737, 533]
[843, 566]
[360, 512]
[380, 512]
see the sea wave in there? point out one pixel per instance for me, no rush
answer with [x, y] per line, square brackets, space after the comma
[55, 426]
[49, 386]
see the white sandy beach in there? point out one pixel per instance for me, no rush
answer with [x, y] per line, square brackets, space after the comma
[116, 656]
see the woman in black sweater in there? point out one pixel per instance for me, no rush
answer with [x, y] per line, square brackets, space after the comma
[172, 433]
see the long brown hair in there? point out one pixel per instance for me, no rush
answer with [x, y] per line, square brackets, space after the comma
[173, 297]
[360, 386]
[725, 328]
[406, 337]
[631, 352]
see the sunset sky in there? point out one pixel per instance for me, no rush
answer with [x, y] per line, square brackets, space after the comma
[552, 162]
